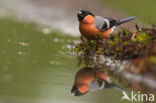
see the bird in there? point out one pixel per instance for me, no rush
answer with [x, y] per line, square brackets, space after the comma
[91, 26]
[89, 79]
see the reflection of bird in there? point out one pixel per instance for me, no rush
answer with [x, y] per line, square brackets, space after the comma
[87, 79]
[90, 25]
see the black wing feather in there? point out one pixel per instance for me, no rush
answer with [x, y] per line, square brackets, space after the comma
[104, 23]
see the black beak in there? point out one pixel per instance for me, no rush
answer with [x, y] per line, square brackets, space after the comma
[76, 92]
[80, 16]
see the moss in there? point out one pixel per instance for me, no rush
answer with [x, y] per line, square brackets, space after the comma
[153, 59]
[143, 37]
[126, 43]
[92, 43]
[135, 54]
[99, 35]
[120, 46]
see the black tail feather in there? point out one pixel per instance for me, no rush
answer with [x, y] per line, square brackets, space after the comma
[118, 87]
[125, 20]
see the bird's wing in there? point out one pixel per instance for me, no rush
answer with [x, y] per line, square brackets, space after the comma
[94, 85]
[104, 23]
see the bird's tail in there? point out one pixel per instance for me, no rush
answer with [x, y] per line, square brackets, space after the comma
[125, 20]
[118, 87]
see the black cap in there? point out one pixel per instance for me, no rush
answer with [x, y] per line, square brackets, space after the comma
[76, 92]
[82, 14]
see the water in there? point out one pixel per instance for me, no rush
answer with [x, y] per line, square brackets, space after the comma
[35, 67]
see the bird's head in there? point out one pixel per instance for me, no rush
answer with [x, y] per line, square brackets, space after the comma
[84, 13]
[79, 90]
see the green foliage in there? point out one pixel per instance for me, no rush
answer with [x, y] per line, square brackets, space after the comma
[99, 35]
[143, 37]
[137, 27]
[153, 59]
[123, 45]
[92, 43]
[135, 53]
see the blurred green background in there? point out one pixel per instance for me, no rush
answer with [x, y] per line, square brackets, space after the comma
[36, 67]
[144, 9]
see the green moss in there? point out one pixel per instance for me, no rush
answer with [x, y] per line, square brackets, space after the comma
[99, 35]
[126, 32]
[153, 59]
[143, 37]
[122, 49]
[126, 42]
[120, 46]
[92, 43]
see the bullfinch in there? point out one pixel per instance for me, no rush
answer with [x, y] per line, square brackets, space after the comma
[89, 79]
[90, 25]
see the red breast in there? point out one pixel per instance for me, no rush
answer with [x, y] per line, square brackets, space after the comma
[106, 33]
[87, 27]
[83, 78]
[86, 76]
[102, 75]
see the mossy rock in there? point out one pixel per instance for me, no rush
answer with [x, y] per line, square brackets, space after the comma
[123, 54]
